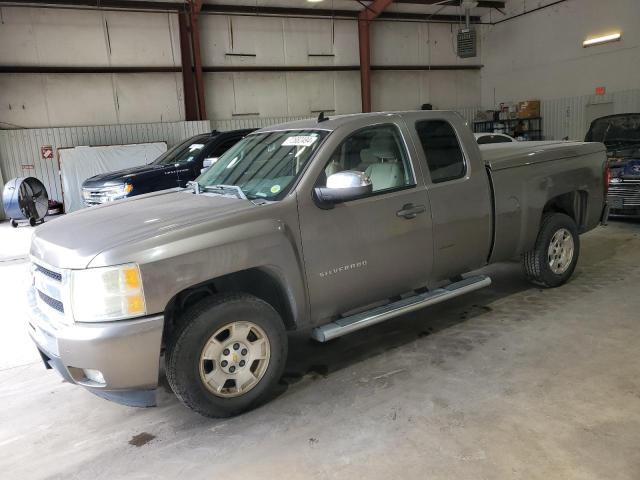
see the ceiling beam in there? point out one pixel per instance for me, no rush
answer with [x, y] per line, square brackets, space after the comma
[70, 70]
[139, 5]
[455, 3]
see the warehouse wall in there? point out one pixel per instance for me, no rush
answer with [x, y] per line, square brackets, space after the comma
[247, 41]
[540, 55]
[49, 37]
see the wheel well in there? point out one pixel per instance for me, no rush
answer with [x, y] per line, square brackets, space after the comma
[573, 204]
[254, 281]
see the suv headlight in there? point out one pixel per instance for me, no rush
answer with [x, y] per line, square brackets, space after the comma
[107, 293]
[118, 192]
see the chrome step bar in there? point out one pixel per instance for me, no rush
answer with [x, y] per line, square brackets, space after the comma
[345, 325]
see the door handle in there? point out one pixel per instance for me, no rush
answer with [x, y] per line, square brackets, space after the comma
[410, 211]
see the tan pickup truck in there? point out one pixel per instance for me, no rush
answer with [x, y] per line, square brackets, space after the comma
[326, 226]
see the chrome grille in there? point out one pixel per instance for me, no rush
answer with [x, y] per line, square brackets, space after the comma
[629, 190]
[52, 302]
[98, 195]
[49, 273]
[51, 290]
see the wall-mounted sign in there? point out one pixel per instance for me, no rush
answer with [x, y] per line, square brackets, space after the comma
[46, 151]
[600, 90]
[28, 166]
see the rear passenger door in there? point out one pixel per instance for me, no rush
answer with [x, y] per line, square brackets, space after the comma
[459, 195]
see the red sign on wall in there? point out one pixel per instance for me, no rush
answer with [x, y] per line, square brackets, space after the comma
[600, 90]
[47, 152]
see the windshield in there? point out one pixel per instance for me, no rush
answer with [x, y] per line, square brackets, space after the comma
[263, 165]
[182, 153]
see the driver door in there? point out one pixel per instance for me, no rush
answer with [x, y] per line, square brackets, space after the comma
[367, 250]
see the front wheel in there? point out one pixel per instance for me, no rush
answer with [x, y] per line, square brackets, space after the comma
[555, 254]
[227, 355]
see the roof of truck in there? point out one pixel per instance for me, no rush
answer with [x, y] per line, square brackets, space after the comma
[334, 121]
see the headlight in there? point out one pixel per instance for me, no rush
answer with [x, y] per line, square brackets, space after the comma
[107, 293]
[118, 192]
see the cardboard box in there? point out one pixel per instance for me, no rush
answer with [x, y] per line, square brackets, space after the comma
[529, 109]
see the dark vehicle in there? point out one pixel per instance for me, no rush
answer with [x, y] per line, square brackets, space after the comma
[621, 135]
[174, 168]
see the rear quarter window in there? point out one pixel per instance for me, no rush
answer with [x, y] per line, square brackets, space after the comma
[441, 149]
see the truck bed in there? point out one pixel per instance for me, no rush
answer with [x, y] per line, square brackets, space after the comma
[526, 176]
[499, 156]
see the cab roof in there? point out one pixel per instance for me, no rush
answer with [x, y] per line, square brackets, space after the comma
[334, 122]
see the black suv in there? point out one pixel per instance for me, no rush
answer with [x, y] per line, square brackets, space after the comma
[174, 168]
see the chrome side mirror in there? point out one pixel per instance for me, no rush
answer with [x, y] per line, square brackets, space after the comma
[344, 186]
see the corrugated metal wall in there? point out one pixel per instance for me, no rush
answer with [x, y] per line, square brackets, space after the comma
[566, 117]
[250, 122]
[20, 149]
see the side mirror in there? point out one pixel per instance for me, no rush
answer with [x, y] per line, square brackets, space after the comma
[342, 187]
[207, 162]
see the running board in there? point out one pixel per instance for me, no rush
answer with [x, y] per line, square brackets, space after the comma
[345, 325]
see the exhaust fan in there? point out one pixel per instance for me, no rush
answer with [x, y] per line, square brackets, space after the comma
[467, 40]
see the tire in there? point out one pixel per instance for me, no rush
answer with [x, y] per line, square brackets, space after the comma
[537, 263]
[32, 221]
[14, 224]
[187, 370]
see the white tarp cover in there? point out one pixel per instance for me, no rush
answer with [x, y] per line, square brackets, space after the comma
[79, 163]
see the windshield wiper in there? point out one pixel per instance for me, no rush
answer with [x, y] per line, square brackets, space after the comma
[222, 188]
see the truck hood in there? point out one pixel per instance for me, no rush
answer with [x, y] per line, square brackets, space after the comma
[627, 169]
[615, 129]
[74, 240]
[121, 176]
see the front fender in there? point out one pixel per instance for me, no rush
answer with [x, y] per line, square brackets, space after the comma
[175, 261]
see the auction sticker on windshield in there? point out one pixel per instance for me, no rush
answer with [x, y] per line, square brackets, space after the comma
[300, 141]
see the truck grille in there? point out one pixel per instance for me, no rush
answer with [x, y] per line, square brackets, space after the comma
[49, 273]
[50, 287]
[629, 190]
[52, 302]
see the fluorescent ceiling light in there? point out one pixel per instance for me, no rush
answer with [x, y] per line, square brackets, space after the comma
[315, 1]
[603, 39]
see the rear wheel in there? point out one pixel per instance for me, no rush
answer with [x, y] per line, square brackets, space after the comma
[14, 224]
[227, 355]
[555, 254]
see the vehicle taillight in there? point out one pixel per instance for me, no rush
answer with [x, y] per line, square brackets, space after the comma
[607, 180]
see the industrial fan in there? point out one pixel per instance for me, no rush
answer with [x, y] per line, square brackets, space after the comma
[25, 200]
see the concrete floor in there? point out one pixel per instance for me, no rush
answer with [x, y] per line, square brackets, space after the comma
[509, 382]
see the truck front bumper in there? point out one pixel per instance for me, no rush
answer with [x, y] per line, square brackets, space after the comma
[119, 360]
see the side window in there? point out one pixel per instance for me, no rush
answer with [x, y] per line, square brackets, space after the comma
[486, 139]
[377, 151]
[441, 147]
[218, 150]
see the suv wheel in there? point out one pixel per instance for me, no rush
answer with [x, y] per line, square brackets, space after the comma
[555, 255]
[227, 355]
